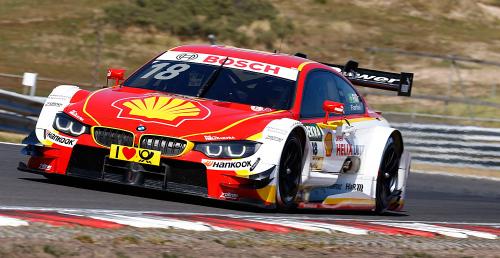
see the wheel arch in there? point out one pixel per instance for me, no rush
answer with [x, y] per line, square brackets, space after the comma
[374, 140]
[281, 129]
[60, 97]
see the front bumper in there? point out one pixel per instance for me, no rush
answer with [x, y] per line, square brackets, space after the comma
[173, 175]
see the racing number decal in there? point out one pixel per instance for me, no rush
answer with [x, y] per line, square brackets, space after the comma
[145, 156]
[171, 72]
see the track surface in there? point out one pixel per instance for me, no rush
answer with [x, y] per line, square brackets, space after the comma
[430, 197]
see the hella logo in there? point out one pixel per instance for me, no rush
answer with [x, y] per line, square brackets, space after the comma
[141, 128]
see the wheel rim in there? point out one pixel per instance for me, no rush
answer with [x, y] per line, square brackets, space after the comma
[289, 175]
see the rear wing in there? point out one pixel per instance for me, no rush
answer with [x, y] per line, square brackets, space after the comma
[400, 82]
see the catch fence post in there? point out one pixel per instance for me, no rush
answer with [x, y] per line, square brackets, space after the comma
[29, 80]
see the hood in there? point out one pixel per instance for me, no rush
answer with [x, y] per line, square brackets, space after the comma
[194, 119]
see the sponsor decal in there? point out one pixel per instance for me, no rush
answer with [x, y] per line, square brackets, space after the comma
[355, 107]
[53, 104]
[44, 166]
[218, 138]
[259, 109]
[244, 64]
[314, 132]
[186, 56]
[59, 139]
[55, 100]
[227, 164]
[353, 98]
[339, 110]
[230, 196]
[138, 155]
[354, 187]
[277, 130]
[347, 187]
[274, 138]
[237, 63]
[58, 97]
[368, 77]
[75, 115]
[161, 109]
[376, 78]
[317, 163]
[328, 144]
[346, 149]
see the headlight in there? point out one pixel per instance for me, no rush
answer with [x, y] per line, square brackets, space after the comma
[228, 150]
[69, 125]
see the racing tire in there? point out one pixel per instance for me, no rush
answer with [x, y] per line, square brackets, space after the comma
[388, 176]
[289, 174]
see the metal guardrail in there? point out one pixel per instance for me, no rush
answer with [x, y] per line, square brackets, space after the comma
[411, 117]
[21, 104]
[458, 146]
[18, 112]
[11, 122]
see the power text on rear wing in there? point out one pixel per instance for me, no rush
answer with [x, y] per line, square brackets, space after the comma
[400, 82]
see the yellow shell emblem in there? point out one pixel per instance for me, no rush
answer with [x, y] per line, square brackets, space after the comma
[164, 108]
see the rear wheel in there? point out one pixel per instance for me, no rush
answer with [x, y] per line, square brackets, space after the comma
[387, 179]
[289, 173]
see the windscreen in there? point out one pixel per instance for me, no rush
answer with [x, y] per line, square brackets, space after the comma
[219, 82]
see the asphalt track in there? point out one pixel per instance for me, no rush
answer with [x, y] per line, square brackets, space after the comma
[430, 197]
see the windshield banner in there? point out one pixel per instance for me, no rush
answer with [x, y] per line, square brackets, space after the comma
[237, 63]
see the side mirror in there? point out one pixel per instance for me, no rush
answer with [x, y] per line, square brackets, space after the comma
[115, 74]
[332, 107]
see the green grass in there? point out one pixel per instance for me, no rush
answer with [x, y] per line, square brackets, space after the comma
[246, 22]
[11, 137]
[54, 251]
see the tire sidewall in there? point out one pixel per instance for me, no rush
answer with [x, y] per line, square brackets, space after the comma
[382, 201]
[281, 205]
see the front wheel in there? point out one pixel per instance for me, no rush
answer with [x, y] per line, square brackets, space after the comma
[289, 173]
[387, 177]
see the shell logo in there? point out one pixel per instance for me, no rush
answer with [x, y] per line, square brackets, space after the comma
[328, 144]
[161, 109]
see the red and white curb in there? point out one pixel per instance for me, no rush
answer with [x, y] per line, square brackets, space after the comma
[115, 219]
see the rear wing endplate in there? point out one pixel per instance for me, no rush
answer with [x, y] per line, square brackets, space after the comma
[400, 82]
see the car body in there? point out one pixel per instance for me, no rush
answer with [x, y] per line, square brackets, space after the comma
[266, 129]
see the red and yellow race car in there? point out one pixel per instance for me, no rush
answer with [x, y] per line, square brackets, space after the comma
[266, 129]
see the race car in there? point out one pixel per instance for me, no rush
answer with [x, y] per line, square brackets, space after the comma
[266, 129]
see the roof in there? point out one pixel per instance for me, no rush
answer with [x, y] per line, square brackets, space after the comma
[255, 55]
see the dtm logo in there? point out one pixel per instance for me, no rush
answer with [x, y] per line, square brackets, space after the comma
[186, 56]
[230, 196]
